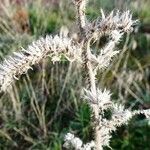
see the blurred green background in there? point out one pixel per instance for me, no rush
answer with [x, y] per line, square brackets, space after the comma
[45, 104]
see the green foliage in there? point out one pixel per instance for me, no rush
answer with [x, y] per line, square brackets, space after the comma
[44, 21]
[133, 136]
[82, 122]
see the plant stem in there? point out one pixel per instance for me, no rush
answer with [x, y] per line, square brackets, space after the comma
[94, 106]
[87, 66]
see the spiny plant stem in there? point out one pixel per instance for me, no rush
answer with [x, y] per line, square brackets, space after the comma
[88, 69]
[81, 19]
[94, 107]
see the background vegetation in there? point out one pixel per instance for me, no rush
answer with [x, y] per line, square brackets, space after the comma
[43, 105]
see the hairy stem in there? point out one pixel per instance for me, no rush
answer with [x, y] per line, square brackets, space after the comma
[97, 128]
[95, 106]
[81, 18]
[87, 66]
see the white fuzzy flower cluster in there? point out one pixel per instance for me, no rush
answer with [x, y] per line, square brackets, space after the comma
[20, 62]
[72, 142]
[121, 22]
[147, 113]
[113, 25]
[105, 136]
[144, 112]
[100, 98]
[119, 115]
[107, 53]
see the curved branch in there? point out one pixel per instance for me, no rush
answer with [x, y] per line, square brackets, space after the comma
[81, 18]
[104, 25]
[21, 62]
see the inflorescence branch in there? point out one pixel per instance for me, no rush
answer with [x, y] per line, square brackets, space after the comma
[20, 62]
